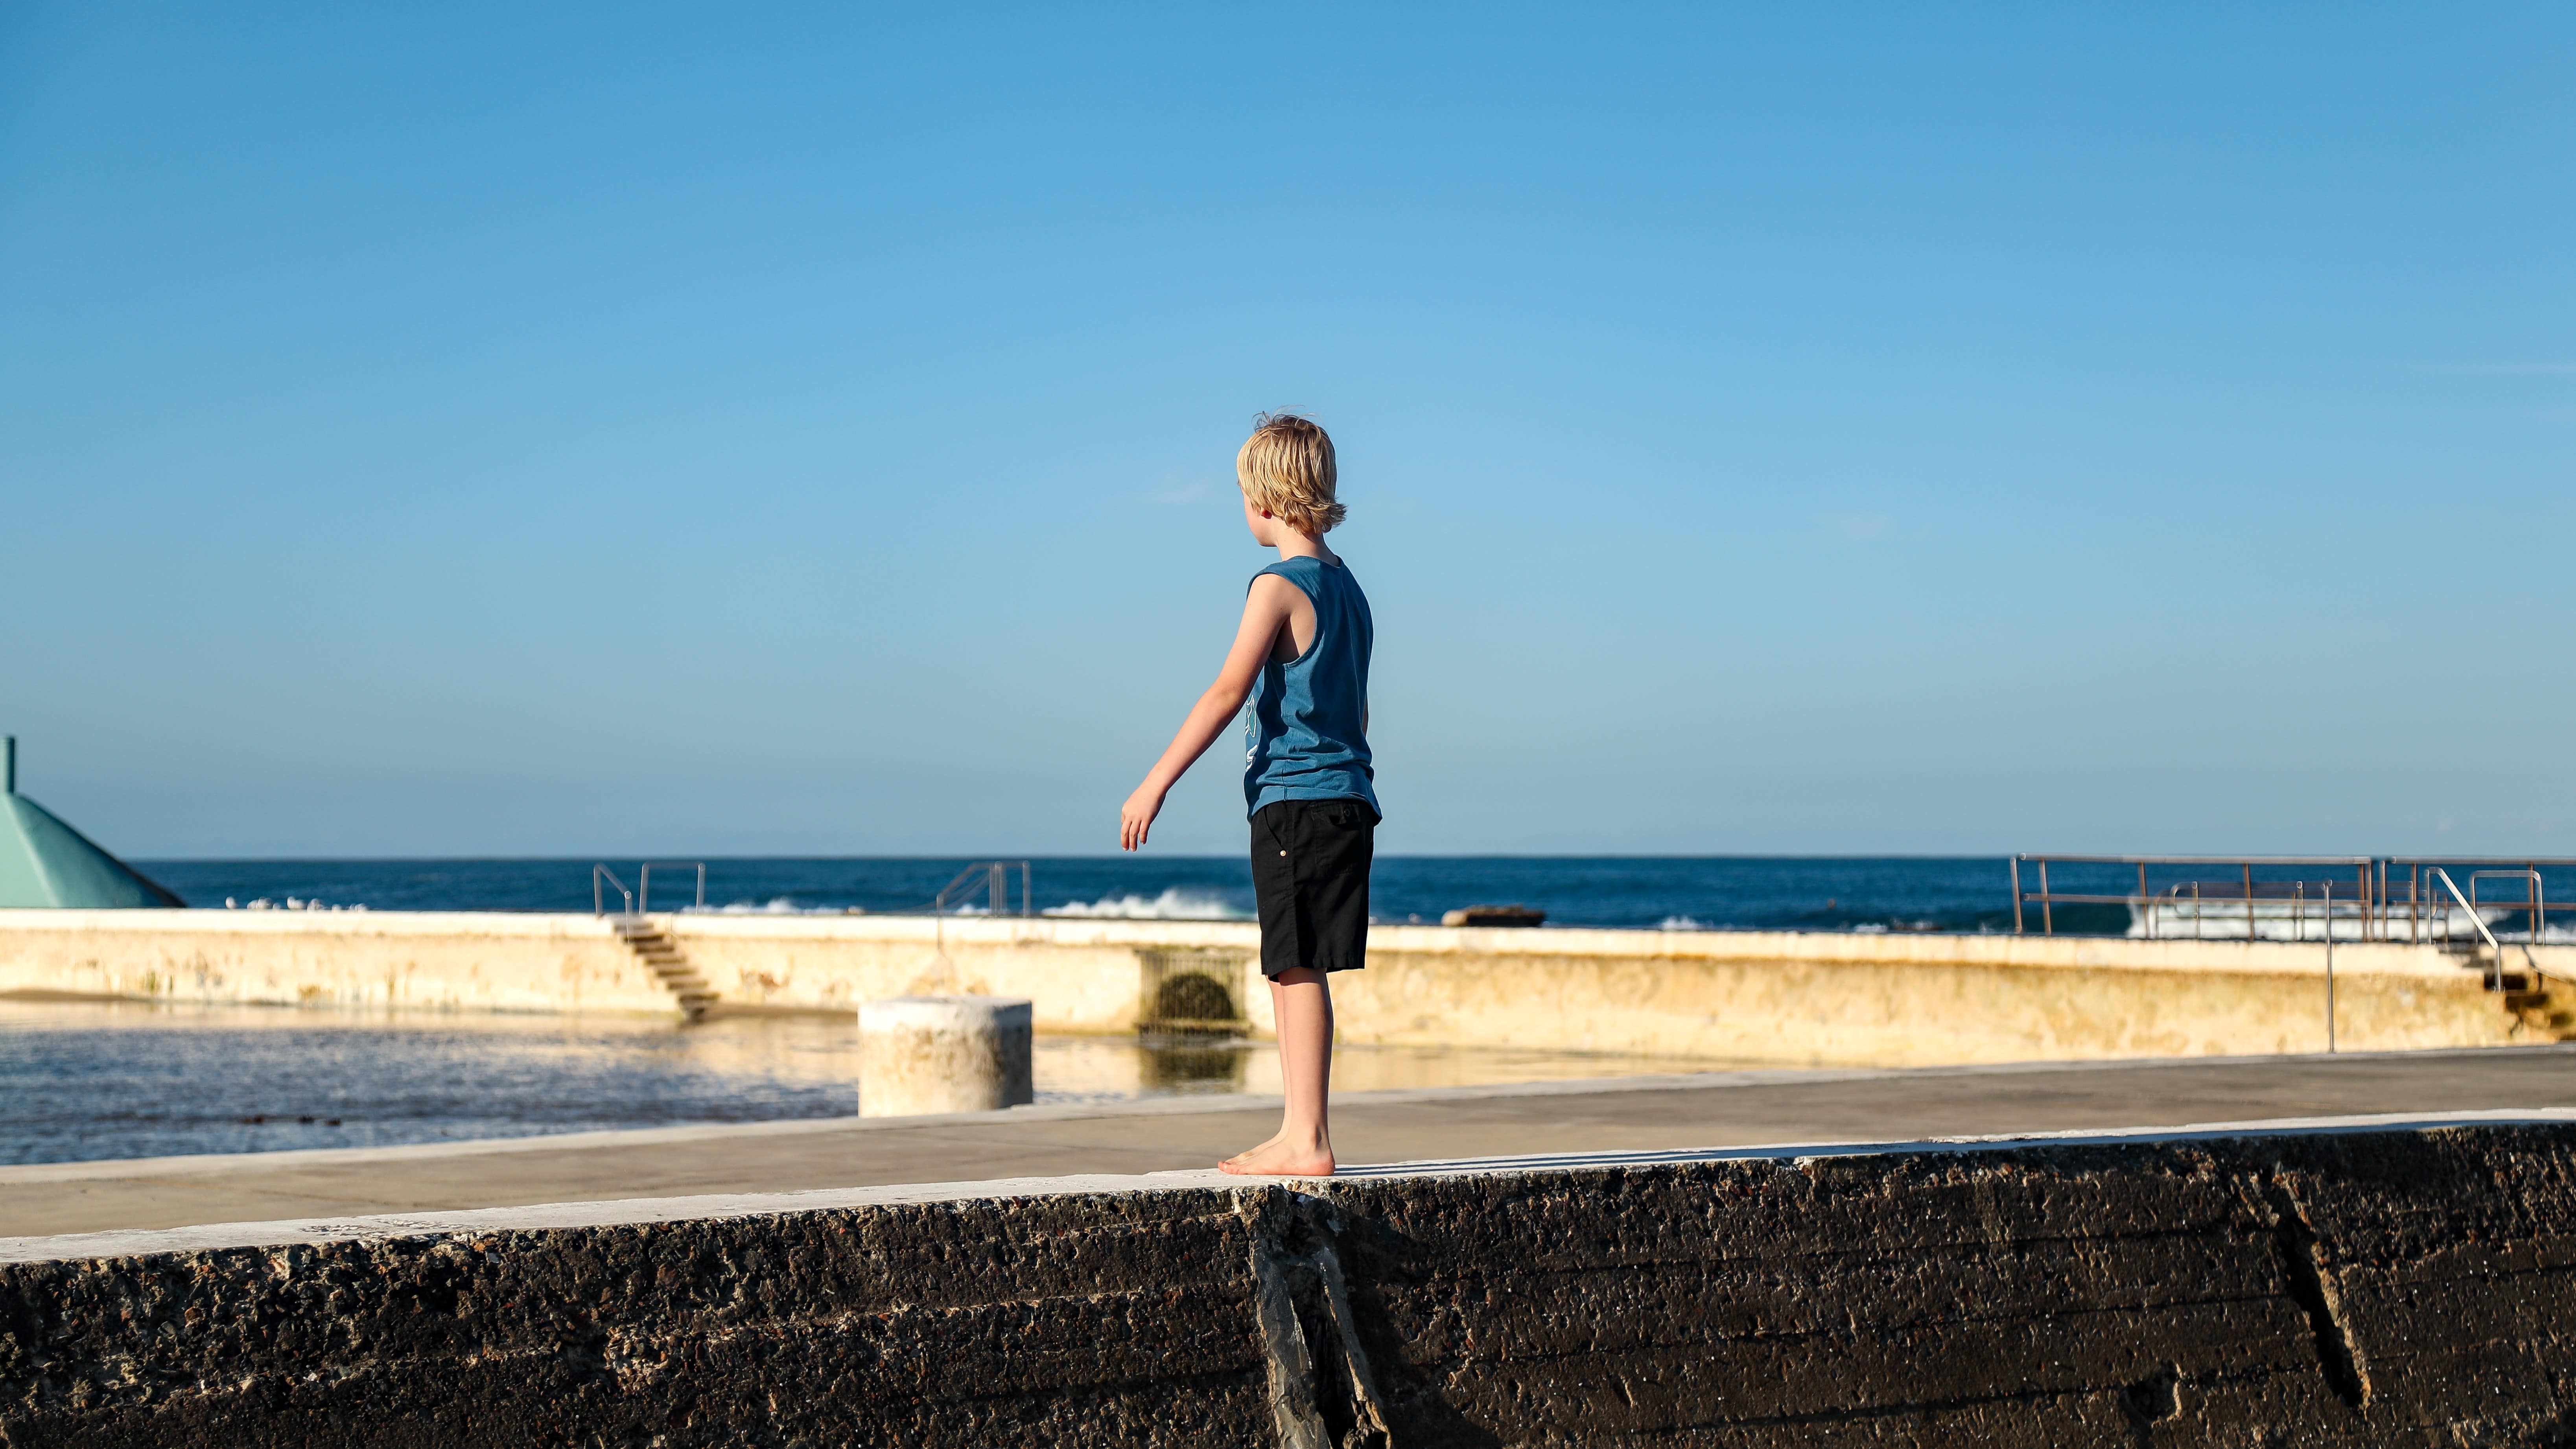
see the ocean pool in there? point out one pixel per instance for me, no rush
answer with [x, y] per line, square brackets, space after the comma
[81, 1081]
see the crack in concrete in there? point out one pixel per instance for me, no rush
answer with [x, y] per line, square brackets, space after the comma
[2312, 1286]
[1310, 1271]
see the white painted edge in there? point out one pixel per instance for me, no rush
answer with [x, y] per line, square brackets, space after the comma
[631, 1212]
[114, 1168]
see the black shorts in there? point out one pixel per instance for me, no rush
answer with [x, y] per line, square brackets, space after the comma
[1310, 874]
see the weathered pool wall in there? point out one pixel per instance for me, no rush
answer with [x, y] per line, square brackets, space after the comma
[2335, 1288]
[1749, 996]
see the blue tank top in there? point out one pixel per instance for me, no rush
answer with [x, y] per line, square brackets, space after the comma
[1302, 732]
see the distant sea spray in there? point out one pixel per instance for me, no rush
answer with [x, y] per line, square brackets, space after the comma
[1634, 892]
[1176, 903]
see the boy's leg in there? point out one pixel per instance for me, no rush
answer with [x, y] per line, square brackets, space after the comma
[1310, 864]
[1301, 1003]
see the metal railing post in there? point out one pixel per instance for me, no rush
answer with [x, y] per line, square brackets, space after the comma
[2372, 899]
[992, 878]
[2495, 982]
[2328, 901]
[644, 881]
[598, 902]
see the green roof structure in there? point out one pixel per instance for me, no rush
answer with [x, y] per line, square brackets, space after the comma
[44, 862]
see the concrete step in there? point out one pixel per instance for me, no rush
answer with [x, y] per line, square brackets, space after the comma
[670, 966]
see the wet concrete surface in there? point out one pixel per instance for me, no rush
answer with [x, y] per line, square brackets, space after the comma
[1660, 1113]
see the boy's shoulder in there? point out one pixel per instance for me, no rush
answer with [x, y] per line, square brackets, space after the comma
[1307, 565]
[1314, 577]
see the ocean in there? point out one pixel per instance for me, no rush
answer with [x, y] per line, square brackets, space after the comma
[1902, 893]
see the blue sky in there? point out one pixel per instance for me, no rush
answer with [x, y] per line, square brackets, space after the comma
[493, 429]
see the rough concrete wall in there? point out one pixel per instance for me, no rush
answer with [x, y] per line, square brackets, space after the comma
[347, 961]
[1795, 999]
[2379, 1289]
[1074, 987]
[1069, 1320]
[1880, 1013]
[2366, 1288]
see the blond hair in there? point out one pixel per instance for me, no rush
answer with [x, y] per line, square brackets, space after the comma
[1286, 469]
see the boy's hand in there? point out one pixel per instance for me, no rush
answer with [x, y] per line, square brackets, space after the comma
[1137, 816]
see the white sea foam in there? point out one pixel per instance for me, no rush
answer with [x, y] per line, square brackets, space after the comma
[1680, 923]
[2279, 920]
[774, 906]
[1175, 904]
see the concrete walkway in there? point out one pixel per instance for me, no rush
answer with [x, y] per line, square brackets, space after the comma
[1637, 1113]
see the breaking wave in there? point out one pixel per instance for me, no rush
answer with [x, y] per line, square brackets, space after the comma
[1175, 904]
[2275, 920]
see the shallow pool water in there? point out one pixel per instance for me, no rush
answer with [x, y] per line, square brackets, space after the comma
[81, 1081]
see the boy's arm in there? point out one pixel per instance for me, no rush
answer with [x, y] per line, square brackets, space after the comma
[1265, 612]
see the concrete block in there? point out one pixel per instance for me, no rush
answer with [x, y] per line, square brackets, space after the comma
[920, 1055]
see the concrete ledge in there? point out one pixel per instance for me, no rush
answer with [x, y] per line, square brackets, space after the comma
[2317, 1282]
[1800, 998]
[977, 932]
[711, 1207]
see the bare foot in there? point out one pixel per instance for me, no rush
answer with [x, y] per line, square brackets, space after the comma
[1276, 1158]
[1247, 1154]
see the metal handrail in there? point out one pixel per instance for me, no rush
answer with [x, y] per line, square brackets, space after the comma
[993, 879]
[2534, 901]
[2418, 893]
[644, 886]
[2326, 899]
[2396, 899]
[2203, 859]
[2143, 899]
[640, 900]
[2495, 982]
[599, 902]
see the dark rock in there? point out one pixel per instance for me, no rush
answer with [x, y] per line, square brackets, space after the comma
[1494, 916]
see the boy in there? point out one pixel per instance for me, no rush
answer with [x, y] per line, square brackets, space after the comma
[1301, 657]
